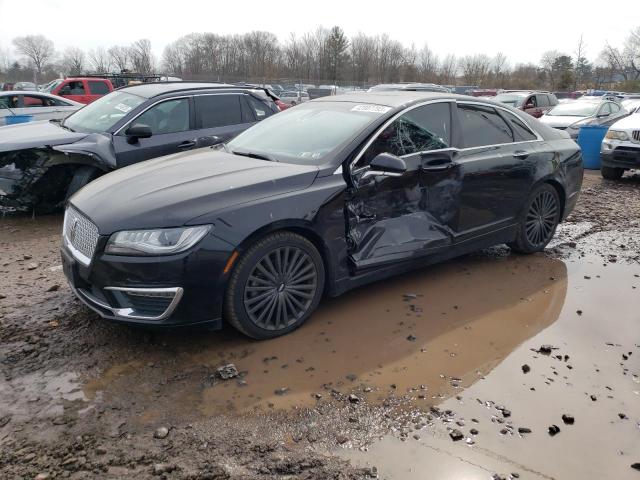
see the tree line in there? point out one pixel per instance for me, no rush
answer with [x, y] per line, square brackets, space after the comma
[328, 56]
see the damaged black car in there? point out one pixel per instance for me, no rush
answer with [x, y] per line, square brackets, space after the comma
[43, 163]
[330, 195]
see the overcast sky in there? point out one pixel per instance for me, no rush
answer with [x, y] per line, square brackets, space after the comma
[522, 30]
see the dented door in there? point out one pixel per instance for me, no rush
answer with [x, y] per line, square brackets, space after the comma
[390, 218]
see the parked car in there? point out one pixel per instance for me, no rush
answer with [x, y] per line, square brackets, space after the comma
[6, 86]
[82, 90]
[319, 199]
[34, 106]
[24, 86]
[294, 98]
[568, 95]
[571, 116]
[408, 87]
[535, 104]
[620, 148]
[42, 163]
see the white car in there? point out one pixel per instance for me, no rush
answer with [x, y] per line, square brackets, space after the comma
[571, 116]
[20, 107]
[620, 149]
[294, 98]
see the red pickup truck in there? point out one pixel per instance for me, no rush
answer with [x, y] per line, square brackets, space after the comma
[83, 90]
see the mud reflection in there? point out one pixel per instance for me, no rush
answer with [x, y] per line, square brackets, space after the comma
[430, 333]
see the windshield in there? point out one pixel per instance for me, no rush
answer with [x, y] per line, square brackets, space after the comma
[509, 99]
[308, 133]
[574, 109]
[104, 113]
[49, 87]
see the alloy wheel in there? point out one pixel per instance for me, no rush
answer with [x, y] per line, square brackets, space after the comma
[541, 219]
[280, 288]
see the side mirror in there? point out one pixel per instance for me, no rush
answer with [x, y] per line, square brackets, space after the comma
[386, 164]
[136, 131]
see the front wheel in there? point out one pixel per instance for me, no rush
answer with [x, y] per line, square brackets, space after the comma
[275, 286]
[541, 217]
[611, 173]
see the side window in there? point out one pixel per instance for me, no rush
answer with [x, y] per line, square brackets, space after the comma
[615, 108]
[5, 102]
[73, 88]
[530, 102]
[520, 130]
[604, 109]
[33, 101]
[542, 100]
[98, 88]
[217, 110]
[553, 100]
[170, 116]
[421, 129]
[481, 125]
[260, 110]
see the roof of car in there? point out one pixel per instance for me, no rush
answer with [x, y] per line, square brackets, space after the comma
[154, 89]
[394, 98]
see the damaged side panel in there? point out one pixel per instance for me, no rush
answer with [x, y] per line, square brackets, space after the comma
[395, 218]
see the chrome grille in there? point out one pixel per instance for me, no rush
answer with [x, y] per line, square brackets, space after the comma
[636, 135]
[80, 235]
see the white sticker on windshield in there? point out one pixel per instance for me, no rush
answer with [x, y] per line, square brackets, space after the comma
[123, 107]
[371, 108]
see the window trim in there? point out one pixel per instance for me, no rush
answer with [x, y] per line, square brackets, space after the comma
[455, 103]
[127, 124]
[196, 127]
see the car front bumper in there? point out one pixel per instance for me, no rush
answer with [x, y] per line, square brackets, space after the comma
[620, 154]
[182, 289]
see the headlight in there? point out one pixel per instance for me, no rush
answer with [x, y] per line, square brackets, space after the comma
[155, 242]
[616, 135]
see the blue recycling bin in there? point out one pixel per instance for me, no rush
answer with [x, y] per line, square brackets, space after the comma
[590, 138]
[14, 119]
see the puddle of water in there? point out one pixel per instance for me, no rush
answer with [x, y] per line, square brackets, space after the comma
[466, 317]
[599, 445]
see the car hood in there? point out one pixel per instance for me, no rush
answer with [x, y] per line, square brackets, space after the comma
[36, 134]
[560, 120]
[170, 191]
[632, 122]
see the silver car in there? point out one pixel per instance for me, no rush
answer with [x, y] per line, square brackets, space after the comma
[20, 106]
[293, 97]
[591, 111]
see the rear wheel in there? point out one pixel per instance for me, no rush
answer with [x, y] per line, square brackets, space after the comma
[539, 222]
[611, 173]
[276, 285]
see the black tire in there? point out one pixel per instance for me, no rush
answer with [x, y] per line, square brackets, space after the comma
[275, 286]
[539, 220]
[611, 173]
[81, 177]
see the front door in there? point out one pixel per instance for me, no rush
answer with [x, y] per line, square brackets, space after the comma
[394, 218]
[171, 132]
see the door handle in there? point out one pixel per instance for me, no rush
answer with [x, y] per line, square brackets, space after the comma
[187, 144]
[520, 154]
[437, 165]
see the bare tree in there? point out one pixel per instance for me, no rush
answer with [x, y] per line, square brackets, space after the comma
[336, 48]
[547, 62]
[119, 57]
[141, 57]
[449, 70]
[361, 52]
[475, 68]
[427, 64]
[38, 49]
[73, 60]
[99, 60]
[499, 69]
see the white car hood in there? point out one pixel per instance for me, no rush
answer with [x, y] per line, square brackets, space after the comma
[559, 121]
[632, 122]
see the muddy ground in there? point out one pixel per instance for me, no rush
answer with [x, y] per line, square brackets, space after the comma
[436, 374]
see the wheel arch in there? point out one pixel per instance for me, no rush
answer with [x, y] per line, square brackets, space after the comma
[300, 227]
[561, 193]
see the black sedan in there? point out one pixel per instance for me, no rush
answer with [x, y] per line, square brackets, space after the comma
[322, 198]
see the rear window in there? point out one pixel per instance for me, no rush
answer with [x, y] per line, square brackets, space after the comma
[482, 126]
[217, 110]
[98, 88]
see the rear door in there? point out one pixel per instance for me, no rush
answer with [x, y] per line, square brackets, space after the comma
[74, 90]
[221, 116]
[496, 172]
[38, 106]
[544, 105]
[172, 126]
[96, 89]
